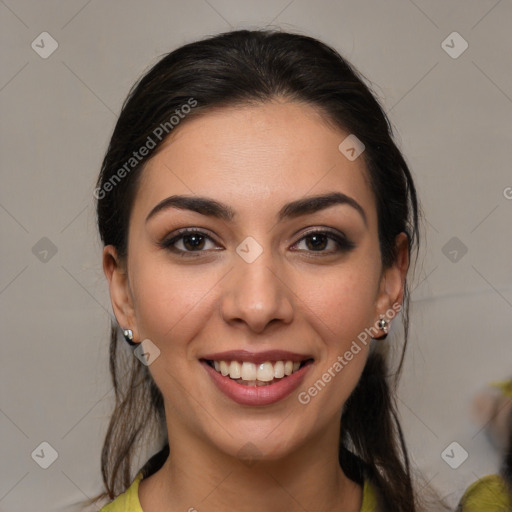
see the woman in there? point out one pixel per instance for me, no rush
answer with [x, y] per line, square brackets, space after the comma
[258, 222]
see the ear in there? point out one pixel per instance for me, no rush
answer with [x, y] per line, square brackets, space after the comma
[392, 284]
[120, 293]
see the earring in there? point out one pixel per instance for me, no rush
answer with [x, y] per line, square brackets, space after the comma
[128, 336]
[383, 324]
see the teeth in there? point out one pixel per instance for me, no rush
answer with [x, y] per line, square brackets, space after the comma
[224, 368]
[235, 370]
[279, 370]
[251, 374]
[265, 372]
[248, 371]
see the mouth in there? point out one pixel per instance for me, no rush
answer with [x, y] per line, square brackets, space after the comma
[263, 373]
[257, 378]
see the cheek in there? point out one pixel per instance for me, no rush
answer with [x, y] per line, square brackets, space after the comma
[168, 299]
[339, 309]
[339, 305]
[170, 306]
[343, 302]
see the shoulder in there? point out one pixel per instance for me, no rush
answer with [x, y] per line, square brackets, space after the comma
[488, 493]
[128, 501]
[370, 500]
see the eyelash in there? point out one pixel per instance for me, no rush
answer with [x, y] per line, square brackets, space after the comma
[344, 245]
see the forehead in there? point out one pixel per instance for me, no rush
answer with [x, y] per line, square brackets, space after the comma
[254, 156]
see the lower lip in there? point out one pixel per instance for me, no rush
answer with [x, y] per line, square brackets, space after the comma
[257, 395]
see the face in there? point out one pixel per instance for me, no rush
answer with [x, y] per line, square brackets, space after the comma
[263, 275]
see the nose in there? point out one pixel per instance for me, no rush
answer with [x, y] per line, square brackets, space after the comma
[254, 295]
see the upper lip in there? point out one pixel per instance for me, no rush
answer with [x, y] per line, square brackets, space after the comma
[256, 357]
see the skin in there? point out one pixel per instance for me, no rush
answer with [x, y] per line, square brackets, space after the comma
[254, 158]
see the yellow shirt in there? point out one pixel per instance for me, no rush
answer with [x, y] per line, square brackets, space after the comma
[129, 500]
[489, 494]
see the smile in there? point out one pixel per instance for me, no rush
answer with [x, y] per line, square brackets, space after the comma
[257, 379]
[251, 374]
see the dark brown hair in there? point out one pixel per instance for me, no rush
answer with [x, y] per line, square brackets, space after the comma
[256, 66]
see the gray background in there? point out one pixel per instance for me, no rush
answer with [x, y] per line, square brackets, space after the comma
[453, 121]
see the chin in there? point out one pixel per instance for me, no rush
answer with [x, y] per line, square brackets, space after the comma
[254, 443]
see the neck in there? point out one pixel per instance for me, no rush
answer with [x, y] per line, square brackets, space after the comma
[199, 477]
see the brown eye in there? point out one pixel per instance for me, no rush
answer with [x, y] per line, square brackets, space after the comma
[193, 242]
[318, 241]
[188, 241]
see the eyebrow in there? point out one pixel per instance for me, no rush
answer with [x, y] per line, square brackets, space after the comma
[213, 208]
